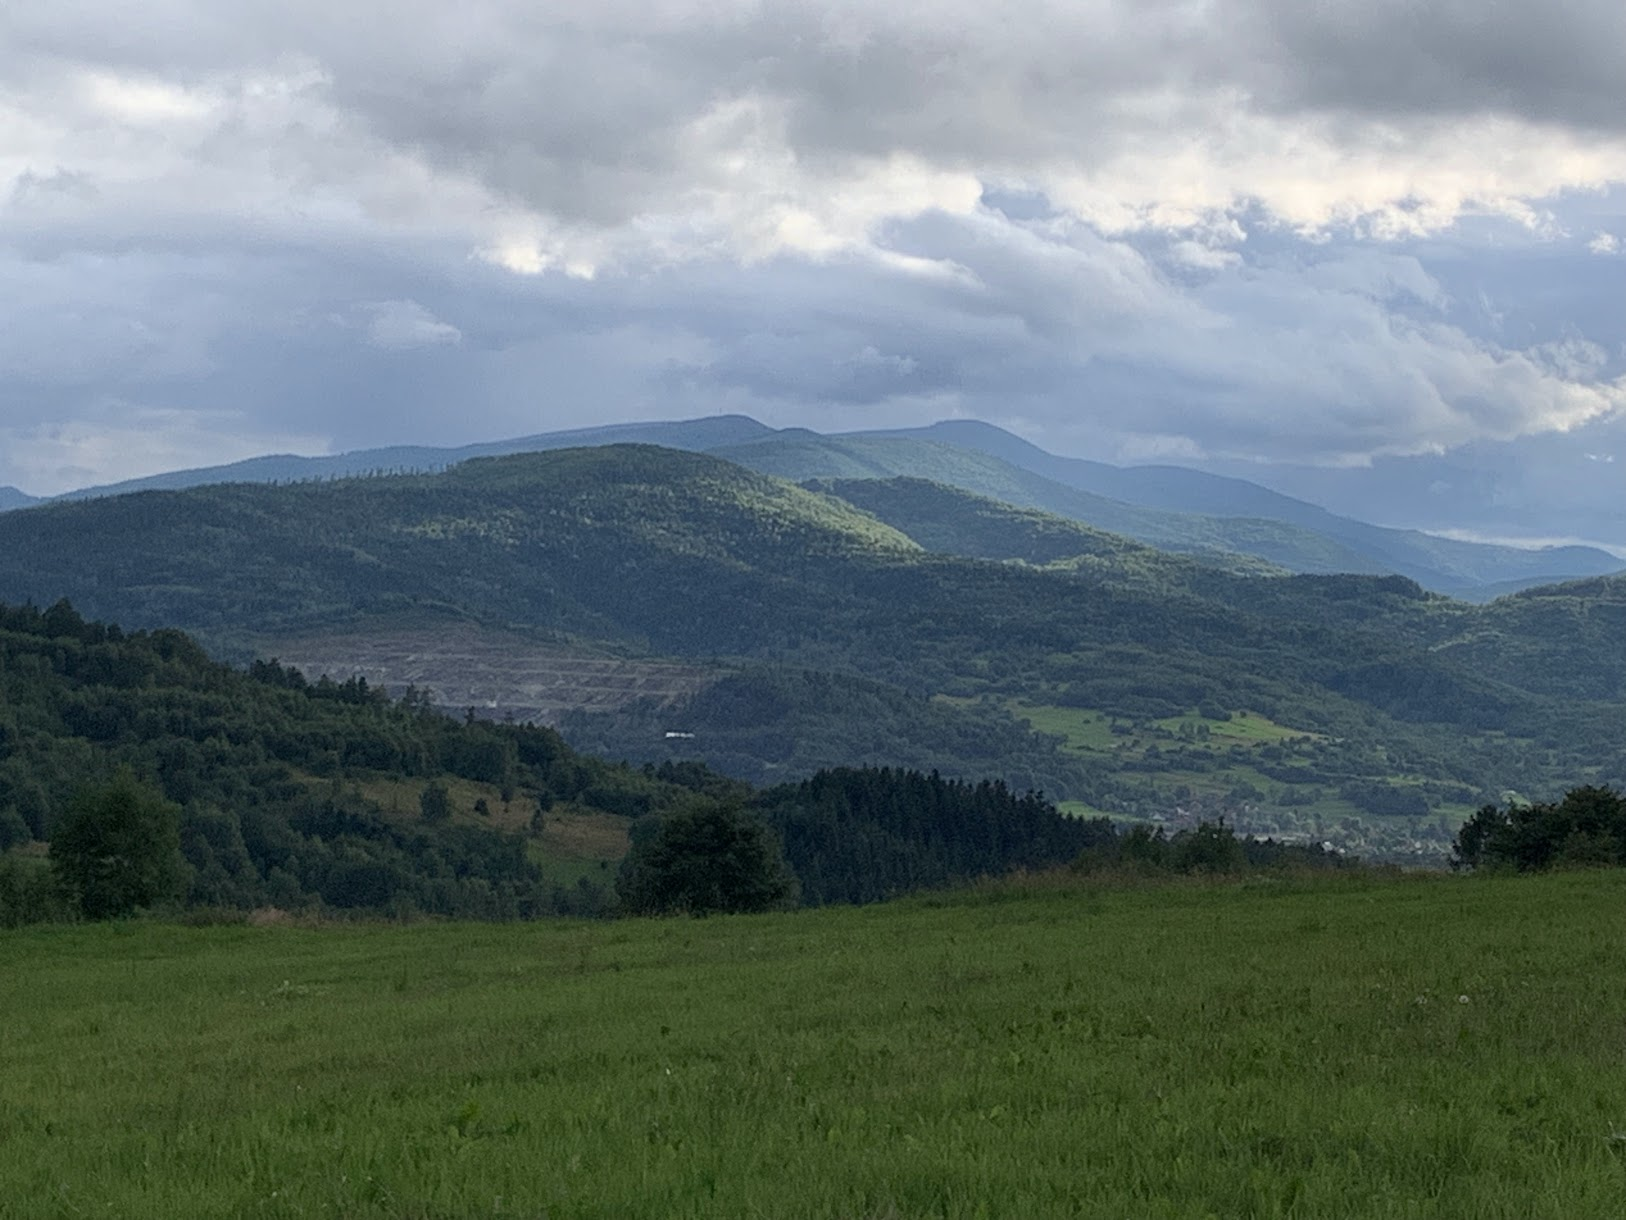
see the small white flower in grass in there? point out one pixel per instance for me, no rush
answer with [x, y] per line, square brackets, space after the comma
[1462, 999]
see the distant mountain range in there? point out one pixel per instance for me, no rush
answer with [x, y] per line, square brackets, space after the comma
[774, 629]
[1169, 507]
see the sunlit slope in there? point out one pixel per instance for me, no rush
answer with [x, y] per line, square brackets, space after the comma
[605, 541]
[953, 521]
[1475, 570]
[803, 456]
[696, 434]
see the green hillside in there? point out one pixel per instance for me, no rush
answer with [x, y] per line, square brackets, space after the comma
[952, 521]
[1171, 507]
[574, 541]
[136, 773]
[1355, 1050]
[1562, 641]
[1474, 570]
[288, 793]
[806, 457]
[1395, 704]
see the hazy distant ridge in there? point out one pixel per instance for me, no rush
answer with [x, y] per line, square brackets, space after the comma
[1423, 557]
[1164, 506]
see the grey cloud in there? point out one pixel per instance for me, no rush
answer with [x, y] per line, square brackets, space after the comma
[1553, 487]
[1324, 353]
[1561, 62]
[345, 160]
[596, 116]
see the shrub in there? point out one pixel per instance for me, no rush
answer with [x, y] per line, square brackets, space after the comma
[710, 857]
[118, 848]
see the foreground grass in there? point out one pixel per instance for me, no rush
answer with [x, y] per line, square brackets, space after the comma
[1408, 1048]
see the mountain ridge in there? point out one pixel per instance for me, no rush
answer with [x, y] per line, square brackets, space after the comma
[814, 632]
[1172, 507]
[1412, 553]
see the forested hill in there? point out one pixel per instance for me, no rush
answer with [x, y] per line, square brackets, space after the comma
[1474, 570]
[953, 521]
[222, 788]
[293, 792]
[1170, 507]
[809, 456]
[1177, 510]
[624, 542]
[1364, 694]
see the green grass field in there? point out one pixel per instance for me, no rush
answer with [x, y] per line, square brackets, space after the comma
[1365, 1047]
[1090, 732]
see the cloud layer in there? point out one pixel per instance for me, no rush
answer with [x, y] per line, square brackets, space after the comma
[1256, 232]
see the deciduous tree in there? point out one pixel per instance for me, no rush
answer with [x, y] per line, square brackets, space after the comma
[118, 848]
[711, 857]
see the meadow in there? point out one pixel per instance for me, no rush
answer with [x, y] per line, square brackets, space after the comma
[1361, 1046]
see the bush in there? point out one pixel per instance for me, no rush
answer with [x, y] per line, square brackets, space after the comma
[435, 803]
[29, 893]
[118, 848]
[710, 857]
[1586, 829]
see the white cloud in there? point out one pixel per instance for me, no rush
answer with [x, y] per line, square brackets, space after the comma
[1605, 243]
[402, 325]
[1203, 257]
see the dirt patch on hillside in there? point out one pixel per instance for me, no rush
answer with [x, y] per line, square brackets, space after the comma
[499, 674]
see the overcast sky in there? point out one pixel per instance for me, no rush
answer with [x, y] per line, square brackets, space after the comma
[1260, 234]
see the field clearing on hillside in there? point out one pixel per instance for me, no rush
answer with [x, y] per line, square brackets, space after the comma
[1088, 732]
[400, 800]
[576, 843]
[1359, 1047]
[1193, 767]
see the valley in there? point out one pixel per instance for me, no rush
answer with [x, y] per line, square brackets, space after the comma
[664, 606]
[812, 611]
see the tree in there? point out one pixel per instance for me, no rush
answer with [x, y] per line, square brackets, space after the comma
[1586, 828]
[435, 802]
[709, 857]
[118, 848]
[1210, 848]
